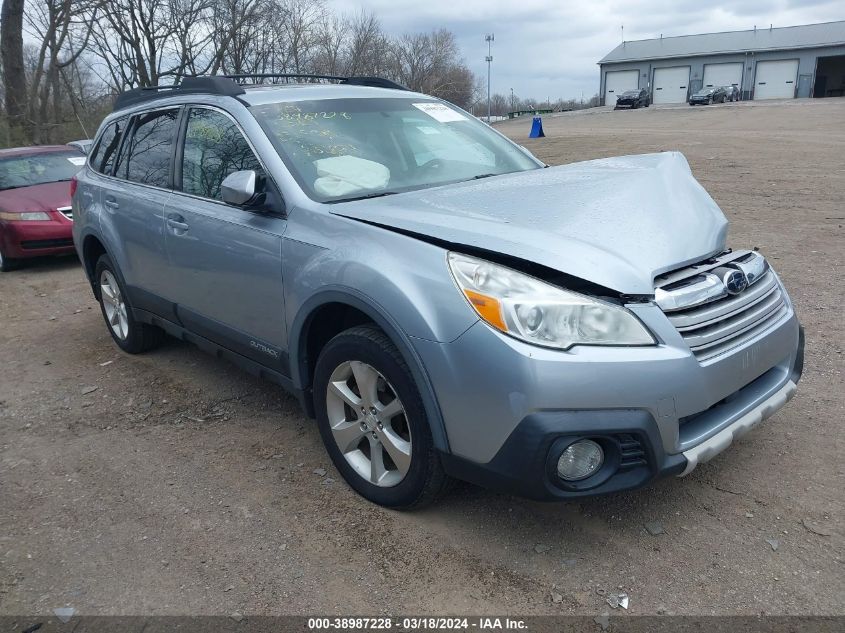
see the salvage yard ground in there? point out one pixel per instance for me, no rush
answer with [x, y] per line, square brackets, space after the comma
[173, 483]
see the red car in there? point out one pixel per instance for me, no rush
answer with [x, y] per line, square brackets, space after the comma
[35, 211]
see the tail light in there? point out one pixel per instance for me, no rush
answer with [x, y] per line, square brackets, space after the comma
[73, 183]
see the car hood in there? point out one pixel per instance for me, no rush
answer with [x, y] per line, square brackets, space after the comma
[617, 222]
[46, 197]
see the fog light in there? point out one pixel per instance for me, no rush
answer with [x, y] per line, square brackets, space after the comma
[580, 460]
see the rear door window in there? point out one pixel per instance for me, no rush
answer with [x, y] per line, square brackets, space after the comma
[147, 156]
[104, 154]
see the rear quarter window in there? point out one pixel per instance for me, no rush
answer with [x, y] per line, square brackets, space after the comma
[104, 154]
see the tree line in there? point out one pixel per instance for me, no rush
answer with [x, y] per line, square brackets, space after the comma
[63, 61]
[501, 104]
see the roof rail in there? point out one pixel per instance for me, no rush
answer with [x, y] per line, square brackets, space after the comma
[285, 78]
[189, 85]
[232, 86]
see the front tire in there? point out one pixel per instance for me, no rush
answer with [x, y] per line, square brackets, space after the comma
[7, 264]
[131, 335]
[373, 422]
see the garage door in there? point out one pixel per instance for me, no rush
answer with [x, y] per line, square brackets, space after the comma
[617, 82]
[722, 75]
[776, 80]
[670, 84]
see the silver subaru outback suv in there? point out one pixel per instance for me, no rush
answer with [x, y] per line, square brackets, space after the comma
[444, 304]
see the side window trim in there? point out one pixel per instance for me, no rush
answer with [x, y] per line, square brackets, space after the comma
[180, 155]
[179, 148]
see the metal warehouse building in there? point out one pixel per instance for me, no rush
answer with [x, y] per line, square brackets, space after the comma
[782, 63]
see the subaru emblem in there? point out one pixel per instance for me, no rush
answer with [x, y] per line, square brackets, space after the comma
[735, 281]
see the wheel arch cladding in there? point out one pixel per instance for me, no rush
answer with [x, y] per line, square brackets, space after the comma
[92, 250]
[330, 312]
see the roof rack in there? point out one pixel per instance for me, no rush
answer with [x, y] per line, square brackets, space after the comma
[285, 78]
[216, 85]
[232, 86]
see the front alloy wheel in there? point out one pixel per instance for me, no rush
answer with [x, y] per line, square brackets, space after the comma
[368, 423]
[373, 421]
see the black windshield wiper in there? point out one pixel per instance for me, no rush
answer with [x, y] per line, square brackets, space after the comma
[366, 196]
[480, 176]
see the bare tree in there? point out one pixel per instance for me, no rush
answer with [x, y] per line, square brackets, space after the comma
[61, 28]
[142, 42]
[331, 35]
[85, 51]
[235, 26]
[11, 52]
[368, 50]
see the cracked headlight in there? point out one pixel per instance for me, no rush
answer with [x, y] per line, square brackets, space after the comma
[540, 313]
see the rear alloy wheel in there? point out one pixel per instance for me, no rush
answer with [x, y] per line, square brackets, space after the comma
[130, 335]
[114, 306]
[373, 422]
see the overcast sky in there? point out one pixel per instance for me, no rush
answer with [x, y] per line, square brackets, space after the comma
[549, 48]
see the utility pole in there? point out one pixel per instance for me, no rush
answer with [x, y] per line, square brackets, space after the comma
[489, 59]
[513, 105]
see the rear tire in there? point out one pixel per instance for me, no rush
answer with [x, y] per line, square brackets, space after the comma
[131, 335]
[373, 422]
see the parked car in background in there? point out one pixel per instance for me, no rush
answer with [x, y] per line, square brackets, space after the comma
[83, 145]
[35, 202]
[441, 301]
[633, 99]
[708, 96]
[732, 93]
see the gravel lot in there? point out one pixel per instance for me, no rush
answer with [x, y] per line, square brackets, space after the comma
[173, 483]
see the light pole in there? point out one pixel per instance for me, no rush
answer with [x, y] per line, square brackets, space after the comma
[489, 59]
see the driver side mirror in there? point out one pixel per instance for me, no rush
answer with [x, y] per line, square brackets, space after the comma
[239, 187]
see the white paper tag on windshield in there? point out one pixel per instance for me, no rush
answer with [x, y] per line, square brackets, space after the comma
[440, 112]
[77, 160]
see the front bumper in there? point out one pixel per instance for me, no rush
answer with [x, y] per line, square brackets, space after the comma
[21, 240]
[510, 408]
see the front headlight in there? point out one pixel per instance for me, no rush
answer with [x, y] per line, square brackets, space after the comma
[24, 216]
[540, 313]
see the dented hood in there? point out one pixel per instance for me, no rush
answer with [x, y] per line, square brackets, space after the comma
[617, 222]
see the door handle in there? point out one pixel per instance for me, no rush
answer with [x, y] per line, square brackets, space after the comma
[177, 225]
[111, 203]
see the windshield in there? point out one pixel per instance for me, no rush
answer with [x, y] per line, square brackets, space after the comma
[631, 93]
[39, 169]
[344, 149]
[705, 91]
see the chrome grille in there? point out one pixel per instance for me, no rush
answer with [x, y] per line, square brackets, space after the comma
[66, 211]
[716, 325]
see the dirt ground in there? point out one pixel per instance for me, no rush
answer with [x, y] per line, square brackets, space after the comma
[173, 483]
